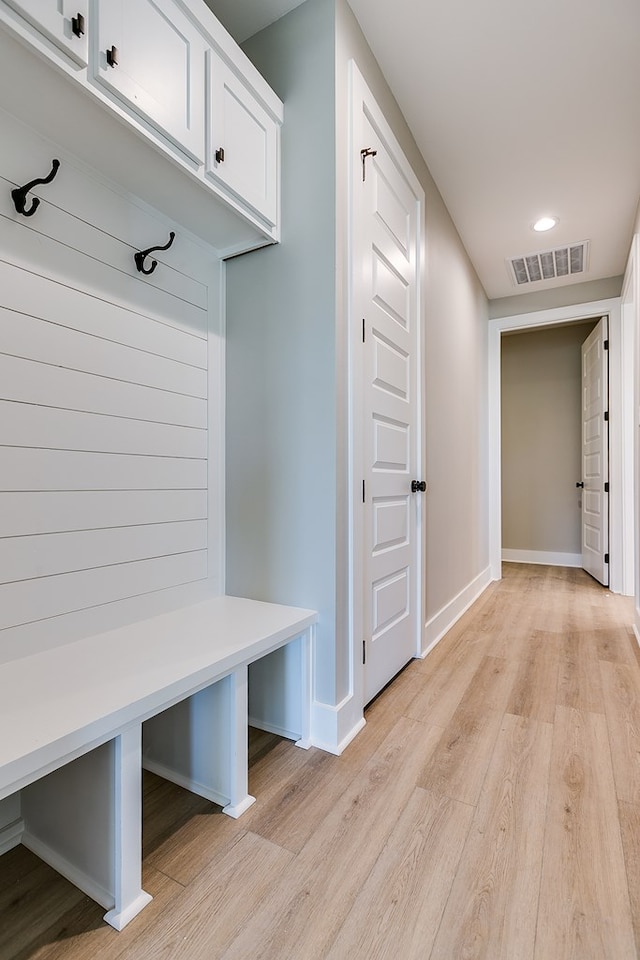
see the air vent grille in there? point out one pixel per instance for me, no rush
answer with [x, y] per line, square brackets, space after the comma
[550, 264]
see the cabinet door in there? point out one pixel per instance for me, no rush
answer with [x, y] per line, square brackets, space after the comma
[242, 141]
[152, 58]
[61, 21]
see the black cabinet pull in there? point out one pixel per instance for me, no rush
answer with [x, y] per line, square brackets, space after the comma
[77, 25]
[220, 155]
[112, 57]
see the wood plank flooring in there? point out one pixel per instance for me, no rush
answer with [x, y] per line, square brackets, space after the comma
[489, 809]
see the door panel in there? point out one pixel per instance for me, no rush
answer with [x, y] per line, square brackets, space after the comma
[390, 407]
[242, 129]
[55, 19]
[595, 454]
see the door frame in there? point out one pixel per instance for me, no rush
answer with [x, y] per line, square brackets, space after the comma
[630, 300]
[621, 540]
[361, 98]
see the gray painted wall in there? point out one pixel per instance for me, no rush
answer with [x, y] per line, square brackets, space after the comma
[541, 439]
[287, 488]
[281, 352]
[575, 293]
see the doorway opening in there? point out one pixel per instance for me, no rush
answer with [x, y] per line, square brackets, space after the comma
[621, 505]
[554, 504]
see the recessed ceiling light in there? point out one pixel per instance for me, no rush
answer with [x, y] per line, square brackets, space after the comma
[545, 223]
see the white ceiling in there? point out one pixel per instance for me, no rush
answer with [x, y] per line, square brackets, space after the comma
[519, 108]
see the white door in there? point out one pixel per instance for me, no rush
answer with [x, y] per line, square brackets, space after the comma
[595, 454]
[388, 238]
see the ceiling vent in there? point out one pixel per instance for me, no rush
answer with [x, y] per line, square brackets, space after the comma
[554, 264]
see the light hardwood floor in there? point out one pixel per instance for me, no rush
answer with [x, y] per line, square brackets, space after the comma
[489, 809]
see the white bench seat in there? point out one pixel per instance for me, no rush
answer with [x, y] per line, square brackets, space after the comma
[86, 702]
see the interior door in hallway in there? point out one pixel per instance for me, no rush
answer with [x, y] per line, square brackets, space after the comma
[390, 224]
[595, 454]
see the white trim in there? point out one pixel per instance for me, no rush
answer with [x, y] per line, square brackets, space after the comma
[216, 406]
[11, 835]
[333, 728]
[441, 622]
[361, 97]
[235, 810]
[273, 728]
[621, 540]
[193, 786]
[118, 919]
[543, 557]
[636, 626]
[631, 449]
[67, 869]
[544, 318]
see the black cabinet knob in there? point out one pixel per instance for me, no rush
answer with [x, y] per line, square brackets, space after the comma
[77, 25]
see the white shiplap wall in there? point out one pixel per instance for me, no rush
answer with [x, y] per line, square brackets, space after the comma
[110, 408]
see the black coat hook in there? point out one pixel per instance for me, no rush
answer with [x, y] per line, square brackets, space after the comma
[140, 257]
[20, 193]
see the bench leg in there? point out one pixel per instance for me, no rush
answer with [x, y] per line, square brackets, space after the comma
[130, 898]
[240, 800]
[306, 650]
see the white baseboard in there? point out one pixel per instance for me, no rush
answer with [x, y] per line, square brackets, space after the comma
[118, 919]
[548, 558]
[193, 786]
[63, 866]
[11, 835]
[333, 728]
[273, 728]
[445, 618]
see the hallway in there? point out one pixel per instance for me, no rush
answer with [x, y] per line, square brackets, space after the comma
[489, 809]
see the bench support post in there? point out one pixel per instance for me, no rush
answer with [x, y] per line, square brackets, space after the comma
[240, 800]
[306, 653]
[130, 898]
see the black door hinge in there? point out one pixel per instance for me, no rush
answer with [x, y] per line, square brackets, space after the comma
[606, 558]
[606, 344]
[367, 152]
[606, 487]
[606, 415]
[364, 651]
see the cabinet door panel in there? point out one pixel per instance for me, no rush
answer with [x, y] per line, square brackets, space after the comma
[53, 18]
[159, 66]
[239, 125]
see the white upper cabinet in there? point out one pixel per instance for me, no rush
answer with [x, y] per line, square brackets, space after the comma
[242, 140]
[152, 57]
[168, 70]
[63, 22]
